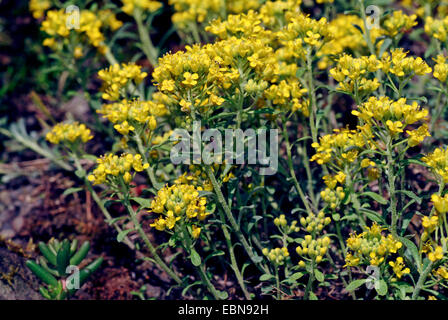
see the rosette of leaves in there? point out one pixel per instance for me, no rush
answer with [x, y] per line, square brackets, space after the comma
[58, 268]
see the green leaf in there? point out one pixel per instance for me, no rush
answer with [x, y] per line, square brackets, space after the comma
[319, 275]
[47, 253]
[355, 284]
[122, 234]
[336, 217]
[144, 203]
[372, 215]
[73, 247]
[41, 273]
[71, 191]
[205, 193]
[195, 258]
[313, 296]
[296, 276]
[381, 289]
[223, 295]
[63, 257]
[81, 254]
[85, 273]
[375, 196]
[414, 252]
[411, 195]
[387, 42]
[266, 277]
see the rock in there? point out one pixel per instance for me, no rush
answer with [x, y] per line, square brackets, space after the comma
[18, 223]
[23, 285]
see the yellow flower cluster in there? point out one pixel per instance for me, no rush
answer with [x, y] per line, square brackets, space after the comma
[282, 223]
[288, 96]
[398, 63]
[144, 5]
[393, 115]
[90, 25]
[179, 201]
[198, 178]
[399, 22]
[441, 272]
[430, 224]
[128, 114]
[69, 133]
[314, 222]
[200, 76]
[332, 180]
[111, 167]
[440, 203]
[277, 256]
[333, 197]
[190, 12]
[117, 77]
[435, 254]
[313, 249]
[345, 37]
[437, 28]
[353, 74]
[441, 68]
[343, 146]
[438, 162]
[38, 7]
[399, 267]
[370, 247]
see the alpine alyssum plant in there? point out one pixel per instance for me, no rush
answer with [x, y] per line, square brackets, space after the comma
[360, 116]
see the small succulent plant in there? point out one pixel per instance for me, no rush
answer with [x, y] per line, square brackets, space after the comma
[58, 268]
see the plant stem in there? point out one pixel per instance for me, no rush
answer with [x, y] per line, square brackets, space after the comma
[369, 42]
[421, 281]
[233, 262]
[149, 170]
[200, 269]
[236, 228]
[148, 243]
[291, 167]
[392, 192]
[277, 281]
[98, 201]
[309, 285]
[148, 48]
[313, 113]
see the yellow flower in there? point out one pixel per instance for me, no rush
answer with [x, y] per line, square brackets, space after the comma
[394, 126]
[440, 203]
[276, 256]
[117, 77]
[438, 162]
[399, 22]
[418, 135]
[442, 272]
[430, 223]
[435, 254]
[190, 79]
[313, 249]
[441, 68]
[69, 133]
[399, 267]
[196, 231]
[177, 202]
[371, 247]
[145, 5]
[38, 7]
[111, 167]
